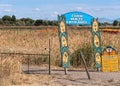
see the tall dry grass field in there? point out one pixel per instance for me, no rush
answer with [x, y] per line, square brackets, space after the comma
[10, 71]
[37, 40]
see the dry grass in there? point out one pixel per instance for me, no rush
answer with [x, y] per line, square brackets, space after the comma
[36, 41]
[10, 71]
[11, 74]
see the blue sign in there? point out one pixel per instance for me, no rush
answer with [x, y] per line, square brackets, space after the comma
[78, 18]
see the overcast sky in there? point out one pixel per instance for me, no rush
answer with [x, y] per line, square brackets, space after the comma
[49, 9]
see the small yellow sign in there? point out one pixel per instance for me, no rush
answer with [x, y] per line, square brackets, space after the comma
[110, 60]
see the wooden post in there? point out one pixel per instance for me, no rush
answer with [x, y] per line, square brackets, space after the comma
[84, 62]
[65, 69]
[49, 59]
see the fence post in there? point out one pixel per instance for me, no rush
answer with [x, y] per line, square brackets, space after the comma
[84, 62]
[65, 69]
[49, 59]
[28, 64]
[1, 63]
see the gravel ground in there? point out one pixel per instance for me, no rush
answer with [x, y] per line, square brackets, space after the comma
[78, 78]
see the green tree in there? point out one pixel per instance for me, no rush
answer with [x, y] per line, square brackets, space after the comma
[13, 19]
[1, 22]
[28, 21]
[20, 23]
[38, 22]
[115, 23]
[6, 18]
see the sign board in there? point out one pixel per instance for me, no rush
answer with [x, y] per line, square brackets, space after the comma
[78, 18]
[96, 44]
[109, 60]
[63, 38]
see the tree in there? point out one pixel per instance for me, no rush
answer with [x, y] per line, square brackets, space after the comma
[28, 21]
[6, 18]
[115, 23]
[20, 23]
[13, 19]
[1, 22]
[38, 22]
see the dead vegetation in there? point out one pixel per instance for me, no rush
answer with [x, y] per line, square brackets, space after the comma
[10, 71]
[36, 41]
[11, 74]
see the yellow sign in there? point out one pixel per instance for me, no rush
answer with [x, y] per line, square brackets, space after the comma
[110, 60]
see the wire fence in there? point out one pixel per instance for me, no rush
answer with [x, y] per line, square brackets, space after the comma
[31, 63]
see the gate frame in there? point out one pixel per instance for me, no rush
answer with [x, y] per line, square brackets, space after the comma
[95, 49]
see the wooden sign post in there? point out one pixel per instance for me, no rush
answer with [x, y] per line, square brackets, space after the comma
[63, 38]
[96, 44]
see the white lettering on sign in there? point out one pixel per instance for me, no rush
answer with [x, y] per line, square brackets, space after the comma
[76, 15]
[76, 22]
[76, 19]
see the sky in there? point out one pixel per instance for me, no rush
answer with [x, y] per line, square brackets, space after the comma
[49, 9]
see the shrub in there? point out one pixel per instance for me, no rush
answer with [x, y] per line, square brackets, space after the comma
[76, 61]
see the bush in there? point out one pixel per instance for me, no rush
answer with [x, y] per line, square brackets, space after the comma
[76, 61]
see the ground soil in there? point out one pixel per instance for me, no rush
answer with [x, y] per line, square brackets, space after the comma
[74, 77]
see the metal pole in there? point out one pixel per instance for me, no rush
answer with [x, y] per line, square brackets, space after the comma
[49, 59]
[84, 62]
[28, 63]
[1, 64]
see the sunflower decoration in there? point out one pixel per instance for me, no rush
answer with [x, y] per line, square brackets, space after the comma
[96, 41]
[95, 26]
[64, 41]
[65, 57]
[62, 26]
[98, 58]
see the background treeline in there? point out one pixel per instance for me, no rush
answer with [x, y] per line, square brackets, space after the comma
[12, 21]
[115, 23]
[7, 20]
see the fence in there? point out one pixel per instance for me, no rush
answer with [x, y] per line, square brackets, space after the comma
[31, 63]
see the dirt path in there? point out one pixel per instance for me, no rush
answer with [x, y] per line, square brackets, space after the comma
[78, 78]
